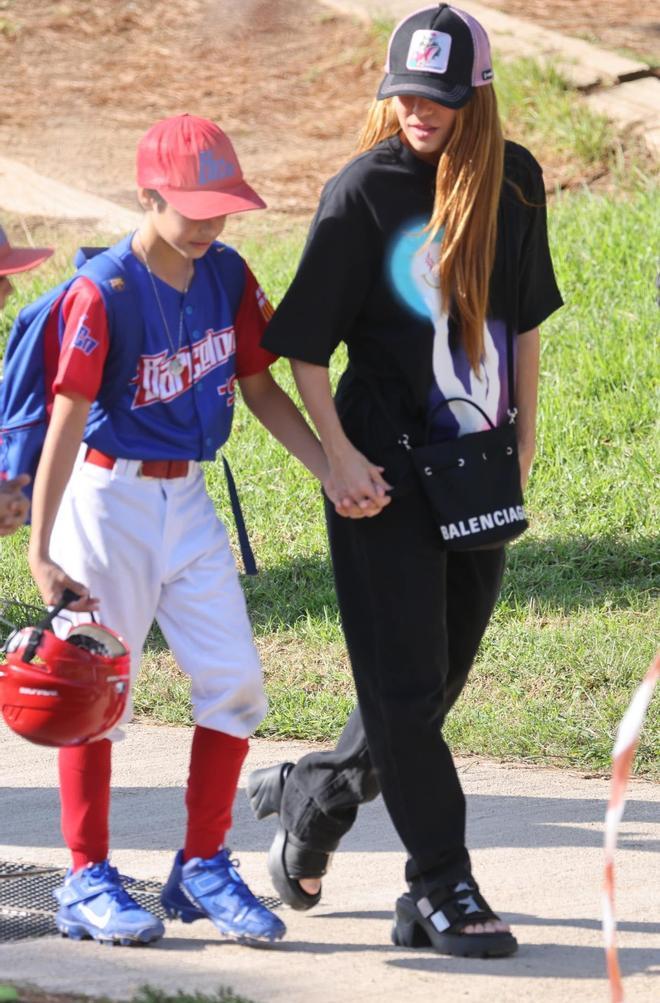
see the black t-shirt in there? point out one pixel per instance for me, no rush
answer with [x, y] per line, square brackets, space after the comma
[366, 278]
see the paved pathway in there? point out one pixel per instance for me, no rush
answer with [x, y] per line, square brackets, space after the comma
[537, 846]
[25, 192]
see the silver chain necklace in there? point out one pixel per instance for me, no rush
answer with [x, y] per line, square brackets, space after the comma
[174, 365]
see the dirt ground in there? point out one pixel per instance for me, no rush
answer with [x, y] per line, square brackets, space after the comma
[81, 82]
[290, 80]
[625, 26]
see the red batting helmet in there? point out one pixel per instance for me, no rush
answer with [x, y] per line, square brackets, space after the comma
[64, 692]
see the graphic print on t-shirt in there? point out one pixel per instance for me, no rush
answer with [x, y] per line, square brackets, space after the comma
[413, 265]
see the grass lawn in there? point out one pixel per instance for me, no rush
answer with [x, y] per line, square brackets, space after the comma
[576, 625]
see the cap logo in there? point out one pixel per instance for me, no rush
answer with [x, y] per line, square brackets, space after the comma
[211, 169]
[487, 75]
[429, 51]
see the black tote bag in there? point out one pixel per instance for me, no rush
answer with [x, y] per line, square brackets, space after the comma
[473, 485]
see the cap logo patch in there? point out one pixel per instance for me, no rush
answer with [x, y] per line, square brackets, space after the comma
[211, 169]
[487, 75]
[429, 51]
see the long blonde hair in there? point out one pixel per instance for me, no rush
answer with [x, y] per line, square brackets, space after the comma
[467, 193]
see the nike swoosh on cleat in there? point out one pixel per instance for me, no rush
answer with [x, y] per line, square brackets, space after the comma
[100, 921]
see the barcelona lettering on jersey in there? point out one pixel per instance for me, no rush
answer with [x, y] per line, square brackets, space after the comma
[180, 411]
[156, 381]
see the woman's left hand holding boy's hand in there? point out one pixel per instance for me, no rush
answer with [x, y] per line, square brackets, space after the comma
[355, 485]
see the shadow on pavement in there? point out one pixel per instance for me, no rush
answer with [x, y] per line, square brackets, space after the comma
[538, 961]
[514, 918]
[153, 818]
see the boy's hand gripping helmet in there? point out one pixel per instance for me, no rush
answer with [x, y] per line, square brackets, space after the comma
[67, 691]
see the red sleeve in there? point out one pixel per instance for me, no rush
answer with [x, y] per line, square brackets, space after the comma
[253, 315]
[85, 341]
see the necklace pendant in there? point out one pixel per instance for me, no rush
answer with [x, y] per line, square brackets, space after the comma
[175, 366]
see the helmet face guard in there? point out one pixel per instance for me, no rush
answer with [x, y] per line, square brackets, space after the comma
[69, 691]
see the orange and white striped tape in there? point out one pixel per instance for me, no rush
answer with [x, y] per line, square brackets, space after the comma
[622, 758]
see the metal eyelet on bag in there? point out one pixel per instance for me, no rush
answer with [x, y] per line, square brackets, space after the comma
[483, 456]
[461, 461]
[509, 451]
[428, 471]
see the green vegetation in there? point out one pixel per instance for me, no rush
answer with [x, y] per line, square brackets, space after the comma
[147, 994]
[150, 995]
[577, 622]
[539, 105]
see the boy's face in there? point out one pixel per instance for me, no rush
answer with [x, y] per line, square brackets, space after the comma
[190, 237]
[5, 290]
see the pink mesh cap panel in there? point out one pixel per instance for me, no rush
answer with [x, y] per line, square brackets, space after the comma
[482, 68]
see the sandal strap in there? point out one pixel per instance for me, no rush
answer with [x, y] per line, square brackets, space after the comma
[455, 907]
[303, 862]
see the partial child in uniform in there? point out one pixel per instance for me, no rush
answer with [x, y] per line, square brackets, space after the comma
[124, 520]
[424, 250]
[14, 504]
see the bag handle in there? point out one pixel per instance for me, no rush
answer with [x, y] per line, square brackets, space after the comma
[464, 400]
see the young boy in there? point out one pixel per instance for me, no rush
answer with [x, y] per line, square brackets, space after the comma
[124, 520]
[13, 503]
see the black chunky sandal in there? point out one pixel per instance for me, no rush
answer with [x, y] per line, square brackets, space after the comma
[288, 860]
[440, 924]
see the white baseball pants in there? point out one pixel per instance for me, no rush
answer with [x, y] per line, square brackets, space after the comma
[155, 549]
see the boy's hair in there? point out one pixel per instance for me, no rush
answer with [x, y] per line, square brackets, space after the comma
[156, 196]
[468, 185]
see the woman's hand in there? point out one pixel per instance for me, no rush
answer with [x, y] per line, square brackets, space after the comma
[356, 487]
[52, 581]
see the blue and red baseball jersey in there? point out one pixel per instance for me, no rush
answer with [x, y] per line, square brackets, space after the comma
[169, 412]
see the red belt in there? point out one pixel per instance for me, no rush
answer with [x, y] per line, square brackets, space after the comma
[164, 469]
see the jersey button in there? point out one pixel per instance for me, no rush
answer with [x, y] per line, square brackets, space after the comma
[189, 310]
[196, 335]
[209, 441]
[198, 388]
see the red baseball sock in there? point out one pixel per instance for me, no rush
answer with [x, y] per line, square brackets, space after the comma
[85, 799]
[215, 765]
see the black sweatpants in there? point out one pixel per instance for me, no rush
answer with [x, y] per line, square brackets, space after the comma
[413, 616]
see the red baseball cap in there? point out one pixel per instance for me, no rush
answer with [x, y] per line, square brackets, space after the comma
[20, 259]
[191, 163]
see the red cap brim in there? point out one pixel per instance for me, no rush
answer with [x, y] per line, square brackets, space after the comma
[22, 259]
[206, 203]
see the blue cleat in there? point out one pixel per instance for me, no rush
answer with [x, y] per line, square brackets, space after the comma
[94, 903]
[213, 889]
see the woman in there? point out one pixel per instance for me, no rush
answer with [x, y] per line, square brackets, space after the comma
[425, 250]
